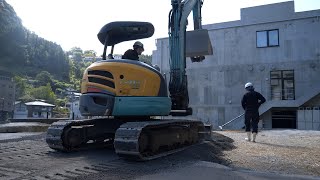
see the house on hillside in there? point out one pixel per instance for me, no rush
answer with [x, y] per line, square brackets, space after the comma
[20, 110]
[39, 109]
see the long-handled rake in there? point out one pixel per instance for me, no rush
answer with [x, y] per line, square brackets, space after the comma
[231, 121]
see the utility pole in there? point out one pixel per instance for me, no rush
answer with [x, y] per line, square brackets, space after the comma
[72, 101]
[2, 114]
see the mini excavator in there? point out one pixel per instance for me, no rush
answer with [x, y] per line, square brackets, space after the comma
[134, 109]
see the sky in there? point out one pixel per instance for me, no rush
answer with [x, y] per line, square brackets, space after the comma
[76, 23]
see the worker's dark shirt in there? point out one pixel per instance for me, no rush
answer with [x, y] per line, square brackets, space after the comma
[131, 54]
[251, 101]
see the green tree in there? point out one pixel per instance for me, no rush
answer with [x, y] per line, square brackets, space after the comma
[76, 53]
[43, 78]
[24, 53]
[77, 56]
[146, 58]
[21, 86]
[76, 49]
[89, 53]
[43, 92]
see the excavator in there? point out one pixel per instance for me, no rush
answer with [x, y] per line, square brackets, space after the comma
[131, 105]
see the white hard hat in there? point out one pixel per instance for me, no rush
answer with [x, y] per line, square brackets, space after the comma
[248, 84]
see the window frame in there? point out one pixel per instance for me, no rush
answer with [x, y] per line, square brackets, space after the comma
[282, 79]
[268, 38]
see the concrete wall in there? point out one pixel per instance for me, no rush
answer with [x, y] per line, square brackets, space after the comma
[314, 102]
[39, 111]
[216, 85]
[266, 120]
[20, 111]
[7, 95]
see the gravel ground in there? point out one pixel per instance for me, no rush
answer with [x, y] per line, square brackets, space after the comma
[279, 151]
[282, 151]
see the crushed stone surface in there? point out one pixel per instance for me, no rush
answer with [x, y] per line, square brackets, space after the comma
[279, 151]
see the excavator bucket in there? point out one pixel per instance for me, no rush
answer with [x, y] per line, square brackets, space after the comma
[198, 44]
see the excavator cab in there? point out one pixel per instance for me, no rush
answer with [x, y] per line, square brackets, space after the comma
[121, 31]
[121, 87]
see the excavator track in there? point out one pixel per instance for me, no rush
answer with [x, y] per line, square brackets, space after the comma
[73, 135]
[142, 141]
[138, 140]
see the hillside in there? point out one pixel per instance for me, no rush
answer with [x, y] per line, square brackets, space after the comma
[24, 53]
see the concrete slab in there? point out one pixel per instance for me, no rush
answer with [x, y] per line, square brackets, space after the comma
[23, 127]
[9, 136]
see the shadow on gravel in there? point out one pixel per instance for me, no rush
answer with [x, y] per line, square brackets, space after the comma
[211, 151]
[118, 168]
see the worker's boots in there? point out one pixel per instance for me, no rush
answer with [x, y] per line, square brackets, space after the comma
[249, 136]
[254, 135]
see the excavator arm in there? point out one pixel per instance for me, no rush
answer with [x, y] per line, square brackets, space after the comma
[178, 85]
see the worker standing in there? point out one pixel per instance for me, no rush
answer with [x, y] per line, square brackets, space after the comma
[251, 102]
[134, 53]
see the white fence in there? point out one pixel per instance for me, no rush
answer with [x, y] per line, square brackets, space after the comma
[308, 118]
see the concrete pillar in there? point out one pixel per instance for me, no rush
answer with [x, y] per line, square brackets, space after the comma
[316, 118]
[308, 118]
[301, 123]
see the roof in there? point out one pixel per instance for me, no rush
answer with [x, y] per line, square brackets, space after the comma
[39, 103]
[17, 102]
[76, 94]
[119, 31]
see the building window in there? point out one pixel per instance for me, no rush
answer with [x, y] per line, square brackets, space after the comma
[269, 38]
[282, 85]
[20, 109]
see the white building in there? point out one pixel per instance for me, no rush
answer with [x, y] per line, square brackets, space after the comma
[272, 46]
[20, 110]
[39, 109]
[73, 106]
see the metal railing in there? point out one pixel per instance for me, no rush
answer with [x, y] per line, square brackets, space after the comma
[231, 121]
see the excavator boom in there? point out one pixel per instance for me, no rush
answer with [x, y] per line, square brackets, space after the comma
[178, 17]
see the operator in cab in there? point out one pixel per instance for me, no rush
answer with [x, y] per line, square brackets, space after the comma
[134, 53]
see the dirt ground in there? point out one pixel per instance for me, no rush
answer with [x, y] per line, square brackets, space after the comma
[282, 151]
[279, 151]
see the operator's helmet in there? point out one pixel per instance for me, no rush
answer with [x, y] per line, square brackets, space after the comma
[248, 85]
[138, 44]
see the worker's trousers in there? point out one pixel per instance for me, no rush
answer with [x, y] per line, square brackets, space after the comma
[251, 121]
